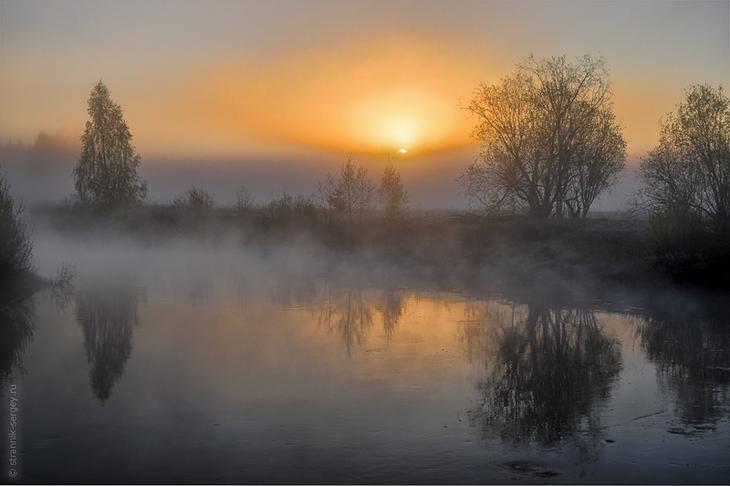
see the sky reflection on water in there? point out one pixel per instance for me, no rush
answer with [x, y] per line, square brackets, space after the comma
[168, 366]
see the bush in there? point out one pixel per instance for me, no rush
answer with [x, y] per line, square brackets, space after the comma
[195, 198]
[287, 210]
[15, 246]
[683, 245]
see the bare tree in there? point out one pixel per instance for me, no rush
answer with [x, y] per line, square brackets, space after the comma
[600, 158]
[351, 193]
[550, 141]
[244, 199]
[195, 198]
[392, 193]
[106, 173]
[511, 160]
[688, 173]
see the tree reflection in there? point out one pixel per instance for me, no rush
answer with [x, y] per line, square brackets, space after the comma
[16, 332]
[547, 369]
[107, 314]
[351, 312]
[691, 349]
[391, 306]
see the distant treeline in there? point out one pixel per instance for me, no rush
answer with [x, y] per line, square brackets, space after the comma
[551, 145]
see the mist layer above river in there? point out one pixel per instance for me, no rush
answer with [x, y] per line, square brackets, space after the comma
[200, 361]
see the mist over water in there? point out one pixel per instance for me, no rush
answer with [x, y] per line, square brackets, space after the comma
[41, 173]
[201, 359]
[474, 242]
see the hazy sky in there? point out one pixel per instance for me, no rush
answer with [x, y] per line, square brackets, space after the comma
[305, 78]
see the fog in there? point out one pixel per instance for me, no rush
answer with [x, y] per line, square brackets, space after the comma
[290, 361]
[42, 173]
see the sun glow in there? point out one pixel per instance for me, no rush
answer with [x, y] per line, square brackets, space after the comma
[406, 117]
[398, 131]
[374, 100]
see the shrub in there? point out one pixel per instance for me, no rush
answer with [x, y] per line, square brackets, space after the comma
[244, 200]
[288, 209]
[15, 245]
[195, 198]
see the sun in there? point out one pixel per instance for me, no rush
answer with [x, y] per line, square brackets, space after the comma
[396, 121]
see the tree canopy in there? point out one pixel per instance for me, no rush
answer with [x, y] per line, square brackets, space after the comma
[550, 141]
[106, 173]
[688, 173]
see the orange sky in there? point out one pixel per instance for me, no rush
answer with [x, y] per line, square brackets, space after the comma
[247, 78]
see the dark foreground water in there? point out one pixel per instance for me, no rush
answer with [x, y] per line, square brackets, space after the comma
[195, 363]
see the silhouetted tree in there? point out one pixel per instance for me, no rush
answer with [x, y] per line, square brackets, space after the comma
[106, 173]
[351, 192]
[15, 245]
[392, 193]
[244, 199]
[550, 141]
[687, 176]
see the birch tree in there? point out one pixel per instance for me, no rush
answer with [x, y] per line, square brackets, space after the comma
[106, 173]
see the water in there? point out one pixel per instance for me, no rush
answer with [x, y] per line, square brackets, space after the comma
[193, 362]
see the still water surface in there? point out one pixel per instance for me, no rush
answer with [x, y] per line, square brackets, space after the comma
[191, 363]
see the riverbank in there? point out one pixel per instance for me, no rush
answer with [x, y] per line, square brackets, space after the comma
[622, 250]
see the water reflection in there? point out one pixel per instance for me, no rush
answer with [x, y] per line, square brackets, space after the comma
[547, 370]
[539, 374]
[351, 312]
[690, 345]
[392, 306]
[107, 313]
[16, 333]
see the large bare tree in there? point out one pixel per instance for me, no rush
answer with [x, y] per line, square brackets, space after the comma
[550, 141]
[688, 173]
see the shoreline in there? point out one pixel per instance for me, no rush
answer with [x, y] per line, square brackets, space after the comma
[617, 250]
